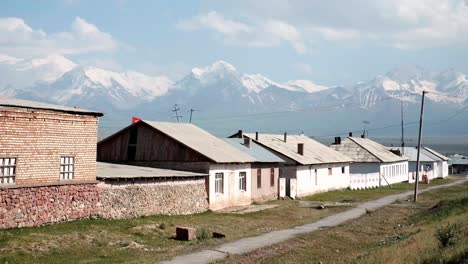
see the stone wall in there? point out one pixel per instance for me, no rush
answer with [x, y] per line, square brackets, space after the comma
[171, 198]
[34, 206]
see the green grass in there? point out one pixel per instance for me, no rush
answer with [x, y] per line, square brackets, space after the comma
[142, 240]
[370, 194]
[393, 234]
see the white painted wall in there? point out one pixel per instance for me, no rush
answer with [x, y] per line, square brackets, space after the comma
[232, 195]
[373, 174]
[431, 173]
[315, 178]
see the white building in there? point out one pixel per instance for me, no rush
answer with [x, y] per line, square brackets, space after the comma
[373, 164]
[310, 167]
[432, 164]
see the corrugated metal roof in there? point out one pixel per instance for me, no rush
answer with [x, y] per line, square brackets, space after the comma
[314, 152]
[412, 154]
[458, 161]
[202, 142]
[437, 154]
[367, 151]
[258, 152]
[119, 171]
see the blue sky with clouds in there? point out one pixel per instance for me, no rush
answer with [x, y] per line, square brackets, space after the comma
[329, 42]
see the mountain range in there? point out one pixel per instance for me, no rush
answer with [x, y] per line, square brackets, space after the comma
[226, 99]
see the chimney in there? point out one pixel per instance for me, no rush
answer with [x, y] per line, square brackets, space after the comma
[337, 140]
[363, 136]
[285, 136]
[240, 133]
[300, 148]
[247, 142]
[256, 136]
[350, 134]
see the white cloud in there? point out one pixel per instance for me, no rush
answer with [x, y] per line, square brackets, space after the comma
[214, 21]
[397, 23]
[19, 39]
[263, 33]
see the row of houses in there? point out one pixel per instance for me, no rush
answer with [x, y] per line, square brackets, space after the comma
[53, 169]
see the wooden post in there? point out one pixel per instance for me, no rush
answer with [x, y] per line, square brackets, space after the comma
[419, 148]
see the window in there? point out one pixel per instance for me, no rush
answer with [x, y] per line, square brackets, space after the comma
[330, 171]
[7, 170]
[259, 178]
[242, 181]
[316, 177]
[67, 168]
[219, 183]
[342, 170]
[272, 177]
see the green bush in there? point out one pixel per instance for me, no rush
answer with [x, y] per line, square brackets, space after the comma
[448, 235]
[203, 233]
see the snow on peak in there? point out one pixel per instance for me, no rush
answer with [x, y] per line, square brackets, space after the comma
[255, 83]
[135, 83]
[306, 85]
[217, 67]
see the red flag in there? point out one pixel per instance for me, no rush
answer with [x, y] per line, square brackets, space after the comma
[135, 119]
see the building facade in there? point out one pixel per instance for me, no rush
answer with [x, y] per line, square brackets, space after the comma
[184, 147]
[309, 167]
[373, 164]
[47, 163]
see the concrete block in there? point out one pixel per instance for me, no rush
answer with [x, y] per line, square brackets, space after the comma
[186, 233]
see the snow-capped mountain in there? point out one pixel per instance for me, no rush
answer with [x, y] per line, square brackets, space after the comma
[59, 80]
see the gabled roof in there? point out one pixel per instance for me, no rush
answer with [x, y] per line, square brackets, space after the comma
[412, 154]
[259, 153]
[119, 171]
[202, 142]
[13, 102]
[314, 152]
[436, 154]
[366, 150]
[458, 161]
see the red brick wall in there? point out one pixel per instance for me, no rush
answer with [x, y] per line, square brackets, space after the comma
[38, 138]
[20, 207]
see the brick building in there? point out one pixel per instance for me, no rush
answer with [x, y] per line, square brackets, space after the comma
[47, 163]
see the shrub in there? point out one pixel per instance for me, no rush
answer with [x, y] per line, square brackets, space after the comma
[448, 235]
[202, 233]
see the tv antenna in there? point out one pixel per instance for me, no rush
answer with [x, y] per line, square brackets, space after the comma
[175, 110]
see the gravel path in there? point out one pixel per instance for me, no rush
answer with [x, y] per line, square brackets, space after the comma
[249, 244]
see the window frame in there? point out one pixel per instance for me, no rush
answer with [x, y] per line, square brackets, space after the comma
[220, 181]
[9, 179]
[242, 181]
[65, 173]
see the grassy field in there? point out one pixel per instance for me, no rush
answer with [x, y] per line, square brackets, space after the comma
[148, 239]
[401, 233]
[366, 195]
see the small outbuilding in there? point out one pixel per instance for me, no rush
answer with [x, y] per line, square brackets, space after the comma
[131, 191]
[373, 164]
[458, 164]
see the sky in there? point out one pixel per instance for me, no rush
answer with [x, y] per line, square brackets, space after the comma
[328, 42]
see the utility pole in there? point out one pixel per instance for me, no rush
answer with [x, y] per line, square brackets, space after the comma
[402, 152]
[176, 109]
[419, 148]
[191, 112]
